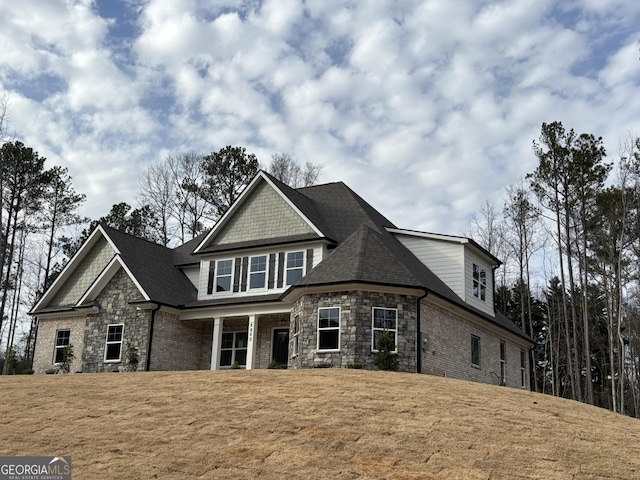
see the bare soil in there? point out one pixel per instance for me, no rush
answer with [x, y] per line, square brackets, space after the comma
[328, 423]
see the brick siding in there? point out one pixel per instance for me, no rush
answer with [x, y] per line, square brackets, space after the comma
[448, 349]
[46, 340]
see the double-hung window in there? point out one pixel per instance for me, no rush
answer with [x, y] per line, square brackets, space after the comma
[234, 349]
[62, 340]
[475, 351]
[329, 328]
[503, 363]
[384, 320]
[479, 282]
[113, 346]
[295, 265]
[224, 273]
[258, 272]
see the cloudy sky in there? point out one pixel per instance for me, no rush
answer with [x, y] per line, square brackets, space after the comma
[425, 108]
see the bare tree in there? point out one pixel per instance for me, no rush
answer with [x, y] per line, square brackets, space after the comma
[288, 171]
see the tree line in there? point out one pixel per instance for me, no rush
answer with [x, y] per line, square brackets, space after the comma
[572, 225]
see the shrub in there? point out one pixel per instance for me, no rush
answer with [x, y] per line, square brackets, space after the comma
[132, 357]
[235, 366]
[67, 358]
[385, 359]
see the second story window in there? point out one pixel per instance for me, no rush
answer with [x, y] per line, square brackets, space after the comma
[224, 272]
[258, 272]
[479, 282]
[295, 263]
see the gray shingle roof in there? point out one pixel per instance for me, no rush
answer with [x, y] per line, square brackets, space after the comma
[154, 268]
[365, 253]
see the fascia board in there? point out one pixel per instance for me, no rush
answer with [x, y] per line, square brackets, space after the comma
[71, 265]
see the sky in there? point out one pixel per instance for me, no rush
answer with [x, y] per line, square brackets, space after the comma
[426, 109]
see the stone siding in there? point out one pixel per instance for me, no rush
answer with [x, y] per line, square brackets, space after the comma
[46, 340]
[180, 345]
[114, 308]
[448, 349]
[356, 327]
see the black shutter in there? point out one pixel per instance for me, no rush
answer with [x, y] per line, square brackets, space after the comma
[245, 268]
[236, 275]
[272, 270]
[309, 260]
[280, 269]
[212, 276]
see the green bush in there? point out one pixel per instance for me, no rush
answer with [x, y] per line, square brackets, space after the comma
[385, 359]
[132, 358]
[67, 358]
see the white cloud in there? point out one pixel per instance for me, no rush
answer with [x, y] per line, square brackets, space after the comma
[425, 108]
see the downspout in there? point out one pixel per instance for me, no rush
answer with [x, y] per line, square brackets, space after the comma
[151, 323]
[419, 333]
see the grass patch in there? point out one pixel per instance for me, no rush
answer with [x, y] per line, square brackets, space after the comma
[319, 423]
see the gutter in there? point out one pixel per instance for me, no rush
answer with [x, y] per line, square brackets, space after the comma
[151, 323]
[419, 332]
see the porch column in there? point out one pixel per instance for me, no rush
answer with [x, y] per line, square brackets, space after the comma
[251, 347]
[216, 343]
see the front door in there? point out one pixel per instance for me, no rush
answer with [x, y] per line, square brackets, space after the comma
[280, 350]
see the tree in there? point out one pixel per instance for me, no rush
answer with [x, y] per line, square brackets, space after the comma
[551, 182]
[384, 358]
[227, 172]
[61, 203]
[22, 183]
[172, 189]
[521, 219]
[139, 222]
[288, 171]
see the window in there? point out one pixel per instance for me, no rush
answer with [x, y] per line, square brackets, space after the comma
[258, 272]
[475, 350]
[113, 347]
[234, 349]
[503, 363]
[384, 320]
[296, 333]
[62, 340]
[223, 275]
[329, 328]
[479, 282]
[523, 367]
[295, 263]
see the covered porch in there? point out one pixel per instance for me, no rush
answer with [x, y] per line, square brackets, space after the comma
[251, 342]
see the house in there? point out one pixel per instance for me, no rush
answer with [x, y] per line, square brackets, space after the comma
[297, 278]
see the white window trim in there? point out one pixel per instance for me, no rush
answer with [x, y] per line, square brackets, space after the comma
[523, 369]
[286, 268]
[107, 342]
[233, 349]
[339, 327]
[216, 276]
[373, 329]
[481, 284]
[476, 365]
[265, 271]
[56, 347]
[295, 336]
